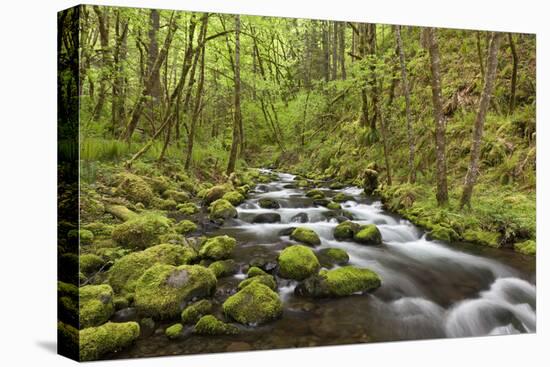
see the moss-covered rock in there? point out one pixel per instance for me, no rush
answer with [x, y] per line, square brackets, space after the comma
[163, 290]
[370, 181]
[442, 233]
[244, 189]
[67, 340]
[134, 188]
[267, 280]
[124, 273]
[218, 248]
[81, 236]
[334, 256]
[315, 194]
[297, 262]
[99, 229]
[210, 325]
[223, 268]
[253, 305]
[177, 196]
[368, 235]
[234, 197]
[336, 186]
[255, 271]
[528, 247]
[174, 331]
[164, 204]
[268, 203]
[306, 235]
[187, 208]
[222, 209]
[215, 193]
[90, 263]
[346, 230]
[141, 231]
[185, 226]
[341, 197]
[334, 206]
[192, 313]
[96, 304]
[485, 238]
[339, 282]
[110, 337]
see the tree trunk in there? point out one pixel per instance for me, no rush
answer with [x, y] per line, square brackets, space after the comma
[103, 21]
[473, 169]
[512, 103]
[371, 34]
[334, 71]
[342, 44]
[237, 105]
[442, 195]
[406, 92]
[326, 52]
[480, 54]
[119, 56]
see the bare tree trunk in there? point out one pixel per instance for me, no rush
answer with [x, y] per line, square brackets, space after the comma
[473, 169]
[442, 195]
[326, 52]
[334, 51]
[371, 33]
[103, 20]
[119, 56]
[512, 103]
[405, 83]
[237, 114]
[342, 44]
[480, 54]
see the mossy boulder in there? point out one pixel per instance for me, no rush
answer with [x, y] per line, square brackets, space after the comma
[255, 271]
[334, 206]
[141, 231]
[221, 210]
[339, 282]
[215, 193]
[210, 325]
[174, 331]
[341, 197]
[305, 235]
[442, 233]
[223, 268]
[83, 236]
[110, 337]
[90, 263]
[192, 313]
[99, 229]
[297, 262]
[370, 181]
[244, 189]
[124, 273]
[333, 255]
[234, 197]
[268, 203]
[267, 280]
[218, 248]
[185, 226]
[336, 186]
[96, 304]
[177, 196]
[528, 247]
[368, 235]
[315, 194]
[163, 290]
[134, 188]
[253, 305]
[187, 208]
[67, 340]
[485, 238]
[346, 230]
[164, 204]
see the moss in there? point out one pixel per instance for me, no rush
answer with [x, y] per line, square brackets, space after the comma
[267, 280]
[67, 340]
[124, 273]
[185, 226]
[134, 188]
[120, 302]
[99, 229]
[121, 212]
[443, 233]
[341, 197]
[368, 235]
[255, 271]
[174, 331]
[83, 236]
[234, 197]
[90, 263]
[95, 304]
[339, 282]
[336, 186]
[244, 189]
[163, 289]
[223, 268]
[141, 231]
[267, 203]
[210, 325]
[110, 337]
[484, 238]
[177, 196]
[306, 235]
[297, 262]
[370, 180]
[187, 208]
[192, 313]
[346, 230]
[315, 194]
[528, 247]
[159, 184]
[218, 248]
[215, 193]
[222, 209]
[334, 206]
[335, 255]
[253, 305]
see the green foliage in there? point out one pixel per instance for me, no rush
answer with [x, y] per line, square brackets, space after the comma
[110, 337]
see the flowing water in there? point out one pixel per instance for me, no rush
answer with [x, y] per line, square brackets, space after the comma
[429, 289]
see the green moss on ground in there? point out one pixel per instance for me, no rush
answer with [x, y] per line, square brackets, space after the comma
[185, 227]
[528, 247]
